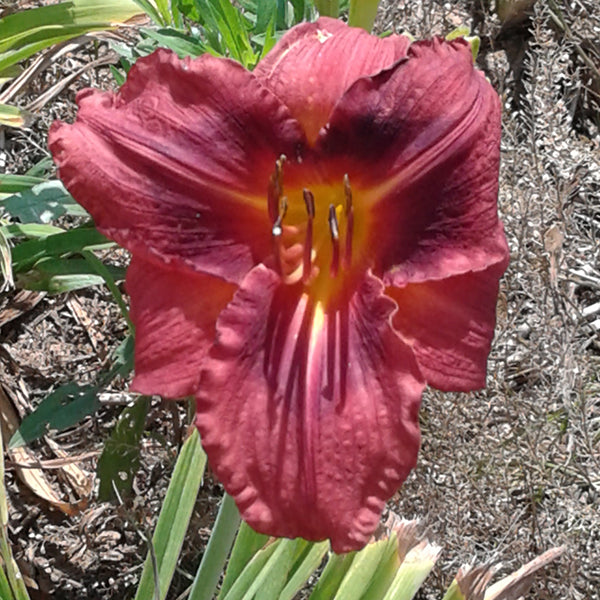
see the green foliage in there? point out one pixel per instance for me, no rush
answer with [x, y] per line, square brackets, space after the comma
[12, 586]
[70, 403]
[24, 33]
[13, 116]
[120, 458]
[173, 520]
[63, 408]
[42, 202]
[217, 27]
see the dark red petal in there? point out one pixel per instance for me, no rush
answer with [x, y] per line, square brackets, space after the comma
[309, 418]
[423, 140]
[451, 325]
[174, 313]
[315, 63]
[177, 164]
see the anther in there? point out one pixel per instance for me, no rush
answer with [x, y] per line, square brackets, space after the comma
[349, 222]
[275, 191]
[277, 232]
[335, 241]
[309, 202]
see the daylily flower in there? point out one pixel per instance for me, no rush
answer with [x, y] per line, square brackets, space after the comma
[312, 242]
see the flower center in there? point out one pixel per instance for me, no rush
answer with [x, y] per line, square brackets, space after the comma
[313, 231]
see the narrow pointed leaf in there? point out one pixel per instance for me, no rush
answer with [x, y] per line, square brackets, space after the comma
[413, 571]
[364, 567]
[335, 570]
[174, 518]
[303, 569]
[247, 544]
[217, 551]
[248, 575]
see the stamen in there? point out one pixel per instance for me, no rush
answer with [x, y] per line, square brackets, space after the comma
[349, 222]
[335, 241]
[277, 232]
[275, 190]
[309, 201]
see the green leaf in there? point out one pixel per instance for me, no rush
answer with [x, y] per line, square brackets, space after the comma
[333, 574]
[226, 30]
[150, 10]
[58, 275]
[188, 10]
[43, 203]
[122, 358]
[266, 13]
[174, 518]
[241, 585]
[415, 567]
[41, 168]
[215, 556]
[32, 231]
[64, 408]
[181, 43]
[247, 544]
[13, 116]
[24, 33]
[117, 75]
[11, 184]
[304, 567]
[363, 568]
[26, 254]
[120, 459]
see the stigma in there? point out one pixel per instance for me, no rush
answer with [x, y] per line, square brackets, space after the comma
[312, 230]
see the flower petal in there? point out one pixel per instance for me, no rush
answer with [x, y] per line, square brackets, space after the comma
[315, 63]
[309, 418]
[450, 323]
[177, 164]
[174, 313]
[423, 141]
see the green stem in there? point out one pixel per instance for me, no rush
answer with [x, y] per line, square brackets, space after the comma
[363, 13]
[217, 551]
[101, 269]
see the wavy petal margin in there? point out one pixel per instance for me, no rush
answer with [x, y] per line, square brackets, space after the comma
[423, 140]
[310, 419]
[174, 313]
[313, 64]
[177, 164]
[450, 324]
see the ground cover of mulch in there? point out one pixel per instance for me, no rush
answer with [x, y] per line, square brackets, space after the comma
[503, 474]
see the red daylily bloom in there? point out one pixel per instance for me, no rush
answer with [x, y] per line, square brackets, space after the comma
[312, 242]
